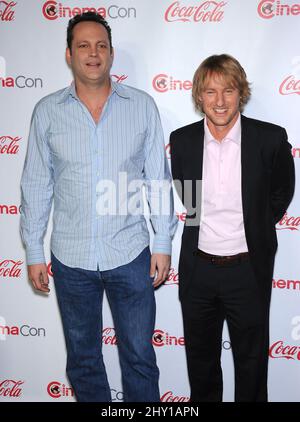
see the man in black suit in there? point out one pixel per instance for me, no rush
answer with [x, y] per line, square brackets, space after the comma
[228, 249]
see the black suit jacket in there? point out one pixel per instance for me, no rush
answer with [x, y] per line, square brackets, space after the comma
[268, 179]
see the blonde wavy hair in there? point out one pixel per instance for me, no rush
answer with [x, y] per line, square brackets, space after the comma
[227, 67]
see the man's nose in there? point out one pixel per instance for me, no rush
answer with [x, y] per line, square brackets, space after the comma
[93, 51]
[220, 99]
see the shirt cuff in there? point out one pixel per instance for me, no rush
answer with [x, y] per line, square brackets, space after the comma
[162, 244]
[35, 255]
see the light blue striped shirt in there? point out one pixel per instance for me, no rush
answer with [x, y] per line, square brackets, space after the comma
[68, 158]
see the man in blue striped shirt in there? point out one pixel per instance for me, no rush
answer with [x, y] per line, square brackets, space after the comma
[91, 148]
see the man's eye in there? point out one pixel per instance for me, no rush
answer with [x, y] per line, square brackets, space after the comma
[82, 45]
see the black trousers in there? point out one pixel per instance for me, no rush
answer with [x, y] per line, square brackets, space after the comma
[217, 293]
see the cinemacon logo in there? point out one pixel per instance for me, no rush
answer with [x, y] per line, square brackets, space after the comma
[206, 11]
[286, 284]
[10, 209]
[11, 388]
[53, 10]
[56, 389]
[116, 395]
[279, 350]
[21, 81]
[25, 331]
[161, 338]
[164, 83]
[268, 9]
[7, 12]
[49, 269]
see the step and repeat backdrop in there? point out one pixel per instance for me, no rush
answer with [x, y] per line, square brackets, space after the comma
[158, 46]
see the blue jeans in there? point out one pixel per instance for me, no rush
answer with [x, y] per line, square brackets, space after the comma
[131, 298]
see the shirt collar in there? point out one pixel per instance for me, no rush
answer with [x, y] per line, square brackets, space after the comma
[233, 135]
[70, 92]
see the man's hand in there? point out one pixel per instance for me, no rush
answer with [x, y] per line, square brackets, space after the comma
[38, 276]
[160, 263]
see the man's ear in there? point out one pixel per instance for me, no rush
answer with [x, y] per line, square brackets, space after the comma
[68, 56]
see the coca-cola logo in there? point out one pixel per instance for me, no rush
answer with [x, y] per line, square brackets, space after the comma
[207, 11]
[290, 85]
[172, 278]
[7, 14]
[56, 389]
[10, 209]
[279, 351]
[288, 223]
[119, 78]
[20, 81]
[109, 336]
[10, 268]
[296, 152]
[268, 9]
[11, 388]
[52, 10]
[163, 83]
[162, 338]
[9, 144]
[286, 284]
[169, 396]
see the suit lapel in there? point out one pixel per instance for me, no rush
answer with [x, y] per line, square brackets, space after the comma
[196, 162]
[248, 160]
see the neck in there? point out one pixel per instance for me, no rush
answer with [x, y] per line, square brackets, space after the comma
[220, 132]
[92, 93]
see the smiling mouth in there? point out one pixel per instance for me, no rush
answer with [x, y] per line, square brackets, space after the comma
[220, 111]
[93, 65]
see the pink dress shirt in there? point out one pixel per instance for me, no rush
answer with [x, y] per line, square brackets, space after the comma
[221, 224]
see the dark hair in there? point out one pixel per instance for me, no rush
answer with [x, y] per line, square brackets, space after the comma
[87, 17]
[229, 68]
